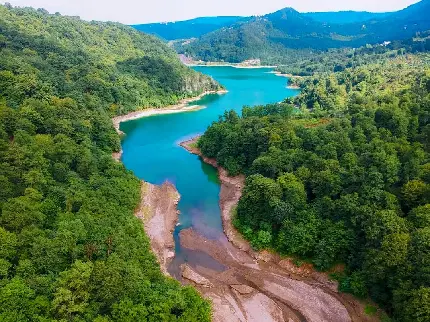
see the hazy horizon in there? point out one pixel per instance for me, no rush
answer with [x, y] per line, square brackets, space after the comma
[136, 12]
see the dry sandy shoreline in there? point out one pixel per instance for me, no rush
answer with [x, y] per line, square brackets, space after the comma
[182, 106]
[158, 212]
[279, 74]
[230, 65]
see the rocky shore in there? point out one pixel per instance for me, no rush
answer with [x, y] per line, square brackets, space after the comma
[159, 214]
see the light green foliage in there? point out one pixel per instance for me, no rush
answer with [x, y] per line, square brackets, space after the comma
[418, 306]
[370, 310]
[420, 216]
[72, 294]
[8, 244]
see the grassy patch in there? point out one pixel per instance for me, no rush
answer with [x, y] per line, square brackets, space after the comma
[194, 145]
[370, 310]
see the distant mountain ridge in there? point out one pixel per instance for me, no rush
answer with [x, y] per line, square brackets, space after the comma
[272, 36]
[188, 28]
[194, 28]
[344, 17]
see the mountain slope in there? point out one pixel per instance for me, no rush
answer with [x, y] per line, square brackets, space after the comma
[186, 29]
[344, 17]
[71, 248]
[107, 64]
[401, 24]
[270, 36]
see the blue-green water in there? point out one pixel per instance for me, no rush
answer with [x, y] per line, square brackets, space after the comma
[152, 152]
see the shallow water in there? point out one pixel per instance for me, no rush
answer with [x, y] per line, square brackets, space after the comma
[152, 152]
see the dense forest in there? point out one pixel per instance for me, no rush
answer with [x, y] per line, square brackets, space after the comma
[70, 246]
[95, 63]
[337, 60]
[275, 37]
[340, 175]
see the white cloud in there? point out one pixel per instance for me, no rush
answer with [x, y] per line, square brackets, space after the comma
[135, 11]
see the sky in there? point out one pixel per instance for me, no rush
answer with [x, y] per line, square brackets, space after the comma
[145, 11]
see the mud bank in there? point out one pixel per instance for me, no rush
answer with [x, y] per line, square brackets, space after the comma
[159, 214]
[260, 286]
[182, 106]
[230, 193]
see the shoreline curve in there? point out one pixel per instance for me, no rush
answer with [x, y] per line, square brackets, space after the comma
[181, 107]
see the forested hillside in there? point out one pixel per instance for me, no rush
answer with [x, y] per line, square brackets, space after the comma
[194, 28]
[96, 64]
[344, 180]
[70, 246]
[273, 37]
[343, 17]
[337, 60]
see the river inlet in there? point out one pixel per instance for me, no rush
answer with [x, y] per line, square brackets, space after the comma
[151, 150]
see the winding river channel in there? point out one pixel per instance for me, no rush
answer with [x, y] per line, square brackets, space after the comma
[243, 285]
[151, 150]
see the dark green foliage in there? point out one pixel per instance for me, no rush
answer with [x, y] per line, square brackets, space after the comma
[344, 181]
[338, 60]
[70, 246]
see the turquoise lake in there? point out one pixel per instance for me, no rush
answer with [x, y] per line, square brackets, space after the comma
[152, 152]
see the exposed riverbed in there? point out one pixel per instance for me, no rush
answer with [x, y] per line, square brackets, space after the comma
[243, 285]
[151, 150]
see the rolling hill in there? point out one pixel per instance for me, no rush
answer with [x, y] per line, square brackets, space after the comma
[110, 64]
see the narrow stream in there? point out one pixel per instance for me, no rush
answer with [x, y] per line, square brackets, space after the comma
[151, 151]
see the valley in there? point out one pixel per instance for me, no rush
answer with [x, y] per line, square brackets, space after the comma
[268, 167]
[242, 284]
